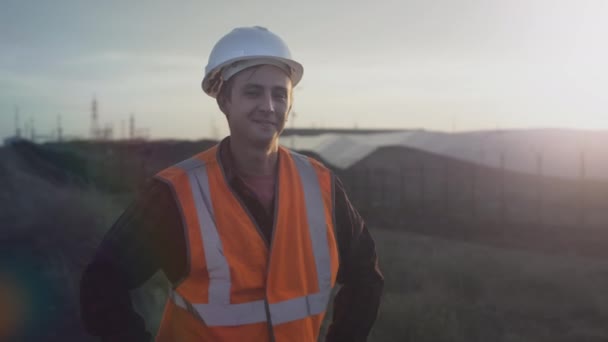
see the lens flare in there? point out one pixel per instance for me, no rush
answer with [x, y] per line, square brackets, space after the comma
[13, 310]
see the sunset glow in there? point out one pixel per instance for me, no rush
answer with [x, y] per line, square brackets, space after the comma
[447, 65]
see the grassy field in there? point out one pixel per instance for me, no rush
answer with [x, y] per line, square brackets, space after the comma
[436, 289]
[441, 290]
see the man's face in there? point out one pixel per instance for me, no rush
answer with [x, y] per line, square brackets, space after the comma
[258, 104]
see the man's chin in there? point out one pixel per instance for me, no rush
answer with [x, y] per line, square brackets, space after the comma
[263, 140]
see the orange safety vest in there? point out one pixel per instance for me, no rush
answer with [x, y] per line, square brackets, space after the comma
[239, 288]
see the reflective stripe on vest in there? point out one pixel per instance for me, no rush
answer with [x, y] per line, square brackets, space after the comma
[219, 311]
[217, 315]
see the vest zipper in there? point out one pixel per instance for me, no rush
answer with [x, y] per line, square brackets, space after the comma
[274, 227]
[219, 160]
[266, 242]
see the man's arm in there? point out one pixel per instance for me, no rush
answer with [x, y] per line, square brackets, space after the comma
[356, 304]
[147, 237]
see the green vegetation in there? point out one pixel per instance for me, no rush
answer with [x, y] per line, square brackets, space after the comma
[440, 290]
[436, 289]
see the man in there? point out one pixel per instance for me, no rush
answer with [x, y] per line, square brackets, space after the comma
[252, 236]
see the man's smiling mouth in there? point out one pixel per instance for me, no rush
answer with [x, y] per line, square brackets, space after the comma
[264, 122]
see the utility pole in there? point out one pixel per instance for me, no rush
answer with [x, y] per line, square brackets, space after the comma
[94, 119]
[59, 129]
[17, 128]
[122, 129]
[26, 129]
[33, 131]
[132, 127]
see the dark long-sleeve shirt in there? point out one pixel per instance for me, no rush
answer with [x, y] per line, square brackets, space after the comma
[149, 237]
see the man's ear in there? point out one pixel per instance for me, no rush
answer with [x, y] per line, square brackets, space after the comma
[221, 102]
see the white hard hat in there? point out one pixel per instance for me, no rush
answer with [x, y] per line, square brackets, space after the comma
[244, 47]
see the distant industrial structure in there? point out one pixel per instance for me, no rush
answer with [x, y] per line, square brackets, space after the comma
[98, 132]
[28, 133]
[17, 127]
[59, 129]
[106, 132]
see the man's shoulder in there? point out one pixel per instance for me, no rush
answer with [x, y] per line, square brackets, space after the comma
[316, 161]
[204, 158]
[155, 188]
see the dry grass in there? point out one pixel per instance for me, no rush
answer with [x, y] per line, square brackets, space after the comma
[436, 289]
[49, 233]
[440, 290]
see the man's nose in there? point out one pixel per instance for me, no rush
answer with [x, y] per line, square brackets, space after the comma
[266, 103]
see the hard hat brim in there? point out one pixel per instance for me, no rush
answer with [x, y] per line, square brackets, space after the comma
[297, 71]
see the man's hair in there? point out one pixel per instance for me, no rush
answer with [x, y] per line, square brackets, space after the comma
[225, 93]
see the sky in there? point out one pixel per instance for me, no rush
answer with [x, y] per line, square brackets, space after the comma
[447, 65]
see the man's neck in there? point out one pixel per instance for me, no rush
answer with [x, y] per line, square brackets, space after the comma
[254, 160]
